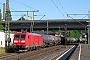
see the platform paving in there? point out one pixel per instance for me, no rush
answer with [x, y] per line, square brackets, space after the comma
[83, 54]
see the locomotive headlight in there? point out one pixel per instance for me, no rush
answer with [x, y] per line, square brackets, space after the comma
[15, 41]
[23, 41]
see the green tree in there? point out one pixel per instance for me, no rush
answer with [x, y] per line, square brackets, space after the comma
[1, 26]
[72, 34]
[75, 34]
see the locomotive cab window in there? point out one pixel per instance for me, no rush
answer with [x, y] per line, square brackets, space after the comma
[17, 36]
[20, 36]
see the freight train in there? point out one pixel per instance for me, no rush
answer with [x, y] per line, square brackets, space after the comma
[30, 41]
[25, 41]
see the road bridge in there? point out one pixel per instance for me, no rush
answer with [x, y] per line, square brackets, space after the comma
[55, 24]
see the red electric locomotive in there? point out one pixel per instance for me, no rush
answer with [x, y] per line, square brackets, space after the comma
[26, 40]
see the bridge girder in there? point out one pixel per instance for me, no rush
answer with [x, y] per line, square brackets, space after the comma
[52, 24]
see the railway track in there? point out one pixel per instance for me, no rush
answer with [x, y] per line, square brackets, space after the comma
[42, 54]
[7, 55]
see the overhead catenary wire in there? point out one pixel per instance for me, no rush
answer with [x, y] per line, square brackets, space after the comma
[66, 12]
[25, 4]
[58, 8]
[62, 7]
[71, 17]
[77, 21]
[12, 9]
[22, 4]
[19, 12]
[60, 11]
[85, 16]
[30, 7]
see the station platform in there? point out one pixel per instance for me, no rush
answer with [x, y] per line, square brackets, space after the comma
[82, 52]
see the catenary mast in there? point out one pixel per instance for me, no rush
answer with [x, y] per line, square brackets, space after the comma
[7, 22]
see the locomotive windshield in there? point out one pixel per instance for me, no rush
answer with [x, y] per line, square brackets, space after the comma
[20, 36]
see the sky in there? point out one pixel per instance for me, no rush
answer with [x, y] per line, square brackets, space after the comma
[52, 9]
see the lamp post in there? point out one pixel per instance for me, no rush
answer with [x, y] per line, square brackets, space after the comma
[85, 35]
[31, 27]
[88, 34]
[66, 35]
[59, 29]
[47, 27]
[89, 30]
